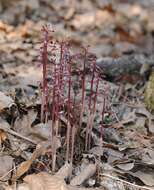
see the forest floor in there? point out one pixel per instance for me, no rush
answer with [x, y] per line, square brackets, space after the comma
[112, 30]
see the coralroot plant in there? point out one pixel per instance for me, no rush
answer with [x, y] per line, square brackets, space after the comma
[58, 100]
[44, 60]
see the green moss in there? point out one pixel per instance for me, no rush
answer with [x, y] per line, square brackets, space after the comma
[149, 93]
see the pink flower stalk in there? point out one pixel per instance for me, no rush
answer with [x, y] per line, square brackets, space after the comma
[83, 87]
[60, 75]
[44, 57]
[55, 110]
[68, 112]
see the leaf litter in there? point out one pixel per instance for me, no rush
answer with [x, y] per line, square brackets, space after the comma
[128, 130]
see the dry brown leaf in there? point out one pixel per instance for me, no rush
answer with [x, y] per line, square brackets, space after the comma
[30, 4]
[103, 18]
[148, 156]
[64, 171]
[143, 111]
[24, 167]
[129, 117]
[113, 155]
[4, 125]
[6, 164]
[22, 186]
[85, 174]
[145, 177]
[70, 13]
[42, 181]
[11, 133]
[5, 101]
[3, 136]
[30, 75]
[25, 186]
[41, 131]
[126, 166]
[84, 20]
[22, 125]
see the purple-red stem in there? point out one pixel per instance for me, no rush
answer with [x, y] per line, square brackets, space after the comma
[54, 116]
[45, 85]
[68, 112]
[83, 87]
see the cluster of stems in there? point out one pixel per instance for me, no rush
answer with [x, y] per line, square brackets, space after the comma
[94, 90]
[57, 60]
